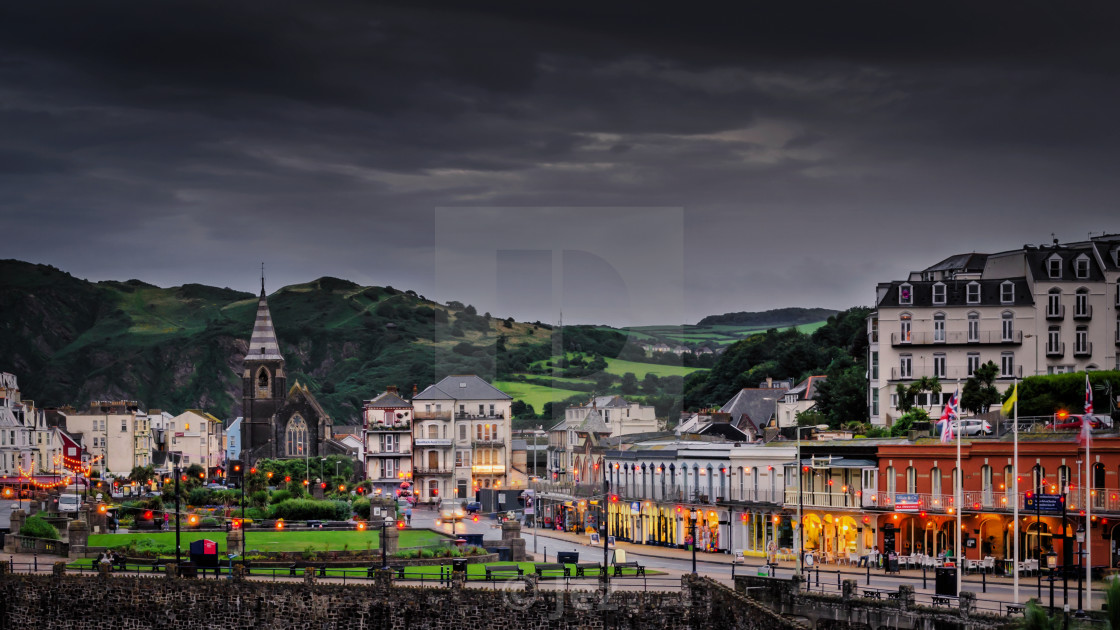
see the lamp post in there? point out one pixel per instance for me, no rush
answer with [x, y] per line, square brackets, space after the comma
[321, 461]
[178, 472]
[693, 517]
[384, 557]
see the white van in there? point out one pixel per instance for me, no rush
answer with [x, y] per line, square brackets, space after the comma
[69, 502]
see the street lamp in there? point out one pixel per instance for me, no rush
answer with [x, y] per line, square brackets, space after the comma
[384, 557]
[694, 516]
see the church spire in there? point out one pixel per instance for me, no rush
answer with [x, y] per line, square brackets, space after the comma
[263, 344]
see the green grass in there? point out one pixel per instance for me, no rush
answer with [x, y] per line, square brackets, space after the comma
[618, 367]
[535, 395]
[274, 540]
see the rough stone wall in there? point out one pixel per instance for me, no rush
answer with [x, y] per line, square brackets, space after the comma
[43, 602]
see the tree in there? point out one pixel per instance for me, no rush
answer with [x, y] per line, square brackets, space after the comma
[905, 398]
[142, 474]
[902, 426]
[629, 384]
[842, 397]
[979, 392]
[650, 383]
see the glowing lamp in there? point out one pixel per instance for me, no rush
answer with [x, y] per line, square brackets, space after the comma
[361, 527]
[280, 524]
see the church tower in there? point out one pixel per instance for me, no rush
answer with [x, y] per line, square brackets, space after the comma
[264, 385]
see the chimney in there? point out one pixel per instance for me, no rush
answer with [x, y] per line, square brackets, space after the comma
[769, 382]
[392, 389]
[414, 390]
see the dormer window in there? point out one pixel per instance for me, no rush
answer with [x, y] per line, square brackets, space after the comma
[1054, 266]
[973, 292]
[939, 293]
[1081, 266]
[1007, 292]
[905, 294]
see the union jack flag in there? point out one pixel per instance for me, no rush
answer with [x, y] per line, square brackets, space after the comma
[1088, 395]
[952, 413]
[1086, 437]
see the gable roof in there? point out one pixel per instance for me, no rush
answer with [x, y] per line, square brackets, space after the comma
[807, 389]
[389, 400]
[462, 387]
[751, 407]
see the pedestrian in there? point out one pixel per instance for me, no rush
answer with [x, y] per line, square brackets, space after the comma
[166, 522]
[408, 515]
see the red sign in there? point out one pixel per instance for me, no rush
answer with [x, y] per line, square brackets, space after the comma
[209, 547]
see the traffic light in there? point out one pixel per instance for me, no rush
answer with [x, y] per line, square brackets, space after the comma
[237, 468]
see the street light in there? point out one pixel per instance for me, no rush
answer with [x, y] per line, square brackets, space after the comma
[694, 516]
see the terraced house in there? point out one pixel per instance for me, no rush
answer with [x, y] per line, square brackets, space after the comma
[1036, 310]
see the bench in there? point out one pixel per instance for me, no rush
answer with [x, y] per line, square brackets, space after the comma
[399, 569]
[503, 570]
[872, 594]
[638, 569]
[944, 600]
[553, 569]
[1015, 609]
[894, 595]
[582, 567]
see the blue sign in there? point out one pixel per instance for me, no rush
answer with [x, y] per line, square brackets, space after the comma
[636, 506]
[907, 503]
[1044, 502]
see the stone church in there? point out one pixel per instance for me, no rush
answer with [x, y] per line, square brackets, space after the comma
[280, 422]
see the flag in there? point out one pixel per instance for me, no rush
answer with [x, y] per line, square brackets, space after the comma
[951, 413]
[1088, 395]
[1010, 404]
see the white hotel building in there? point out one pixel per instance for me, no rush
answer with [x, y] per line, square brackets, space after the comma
[1036, 310]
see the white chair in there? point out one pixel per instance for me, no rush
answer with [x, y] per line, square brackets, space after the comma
[988, 564]
[971, 566]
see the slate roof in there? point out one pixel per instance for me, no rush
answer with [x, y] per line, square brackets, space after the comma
[591, 423]
[807, 389]
[962, 263]
[388, 400]
[263, 344]
[956, 293]
[8, 380]
[1105, 249]
[462, 387]
[7, 418]
[750, 408]
[1038, 265]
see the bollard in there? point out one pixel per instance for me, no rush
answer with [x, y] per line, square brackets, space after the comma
[868, 565]
[923, 576]
[818, 576]
[35, 556]
[983, 582]
[837, 579]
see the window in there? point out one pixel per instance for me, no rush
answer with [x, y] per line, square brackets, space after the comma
[124, 424]
[482, 410]
[911, 479]
[1118, 292]
[1081, 303]
[1081, 340]
[1007, 364]
[875, 322]
[388, 468]
[1081, 266]
[939, 293]
[491, 410]
[388, 445]
[973, 362]
[890, 481]
[939, 365]
[904, 323]
[973, 292]
[295, 437]
[462, 432]
[1118, 329]
[935, 481]
[1053, 338]
[1054, 302]
[939, 327]
[1054, 266]
[875, 402]
[905, 366]
[905, 294]
[875, 365]
[433, 431]
[973, 327]
[1008, 321]
[1007, 292]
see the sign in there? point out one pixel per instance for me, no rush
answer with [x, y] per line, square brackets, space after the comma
[610, 541]
[431, 442]
[595, 540]
[635, 506]
[907, 503]
[1043, 502]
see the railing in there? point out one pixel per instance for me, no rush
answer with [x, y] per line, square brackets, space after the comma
[432, 471]
[1103, 500]
[1056, 349]
[1085, 312]
[957, 337]
[486, 443]
[1056, 313]
[1083, 350]
[822, 499]
[382, 428]
[479, 416]
[27, 544]
[431, 415]
[570, 489]
[951, 373]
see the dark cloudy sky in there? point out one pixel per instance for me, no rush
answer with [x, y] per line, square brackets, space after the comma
[774, 154]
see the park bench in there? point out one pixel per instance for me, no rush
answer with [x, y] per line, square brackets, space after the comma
[582, 567]
[872, 594]
[894, 595]
[944, 600]
[1016, 609]
[503, 570]
[553, 570]
[399, 569]
[638, 569]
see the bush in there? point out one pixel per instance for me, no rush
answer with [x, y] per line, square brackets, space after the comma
[198, 496]
[259, 498]
[280, 496]
[361, 509]
[37, 527]
[304, 509]
[209, 522]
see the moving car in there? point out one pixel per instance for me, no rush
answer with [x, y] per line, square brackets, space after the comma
[69, 502]
[451, 510]
[969, 426]
[474, 507]
[1073, 423]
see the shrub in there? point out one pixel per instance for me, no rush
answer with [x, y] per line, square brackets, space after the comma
[259, 498]
[427, 553]
[37, 527]
[280, 496]
[361, 508]
[199, 496]
[209, 522]
[303, 509]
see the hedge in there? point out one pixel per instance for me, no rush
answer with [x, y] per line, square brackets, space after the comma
[37, 527]
[304, 509]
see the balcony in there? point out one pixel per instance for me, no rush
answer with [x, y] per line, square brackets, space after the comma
[401, 427]
[958, 338]
[479, 416]
[1056, 349]
[1086, 312]
[825, 499]
[1083, 349]
[442, 472]
[489, 469]
[488, 443]
[1105, 500]
[432, 415]
[397, 453]
[951, 373]
[1056, 313]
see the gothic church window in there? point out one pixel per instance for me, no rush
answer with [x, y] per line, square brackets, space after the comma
[295, 438]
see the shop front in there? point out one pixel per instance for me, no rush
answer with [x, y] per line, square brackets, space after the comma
[754, 529]
[838, 535]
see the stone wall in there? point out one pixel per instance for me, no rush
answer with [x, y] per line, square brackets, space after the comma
[42, 602]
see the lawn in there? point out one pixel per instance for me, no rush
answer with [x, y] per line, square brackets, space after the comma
[618, 367]
[275, 541]
[535, 395]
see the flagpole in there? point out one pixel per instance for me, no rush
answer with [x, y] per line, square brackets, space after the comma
[1088, 430]
[958, 494]
[1015, 490]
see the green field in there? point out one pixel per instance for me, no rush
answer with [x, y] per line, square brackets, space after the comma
[274, 540]
[618, 367]
[536, 395]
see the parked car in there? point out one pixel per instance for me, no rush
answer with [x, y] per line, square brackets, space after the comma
[215, 486]
[970, 426]
[1073, 423]
[474, 507]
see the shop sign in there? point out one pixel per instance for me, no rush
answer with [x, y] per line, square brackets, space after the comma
[1044, 502]
[907, 503]
[635, 506]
